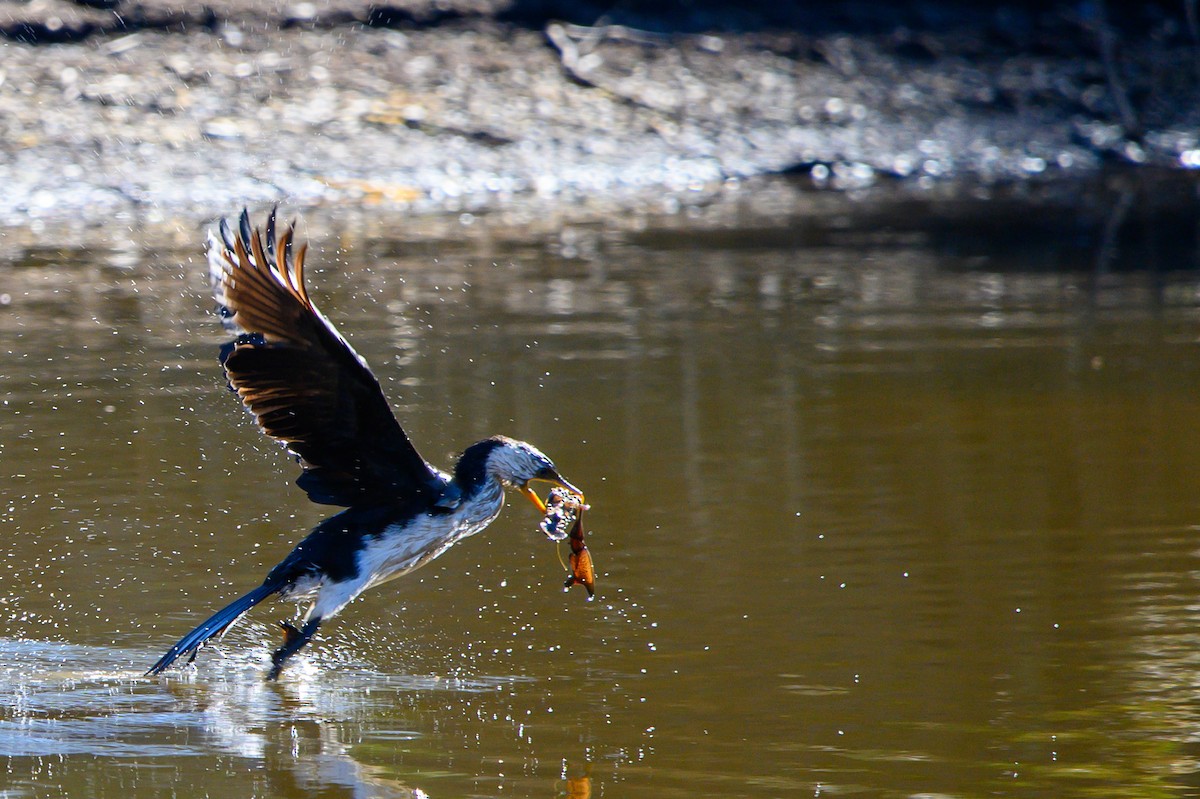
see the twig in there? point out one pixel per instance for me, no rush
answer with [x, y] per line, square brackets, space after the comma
[1193, 23]
[1108, 52]
[576, 64]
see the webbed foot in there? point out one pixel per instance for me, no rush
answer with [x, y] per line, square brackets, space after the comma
[293, 639]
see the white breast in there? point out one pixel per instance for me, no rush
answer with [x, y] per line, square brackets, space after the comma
[401, 548]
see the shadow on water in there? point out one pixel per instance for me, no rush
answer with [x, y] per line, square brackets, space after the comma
[892, 496]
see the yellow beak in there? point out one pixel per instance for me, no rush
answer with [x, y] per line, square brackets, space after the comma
[537, 501]
[534, 498]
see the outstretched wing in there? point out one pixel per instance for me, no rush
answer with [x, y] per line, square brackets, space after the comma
[302, 381]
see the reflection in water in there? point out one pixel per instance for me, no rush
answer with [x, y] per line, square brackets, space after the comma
[888, 501]
[64, 702]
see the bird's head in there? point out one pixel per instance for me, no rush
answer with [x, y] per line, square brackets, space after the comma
[517, 464]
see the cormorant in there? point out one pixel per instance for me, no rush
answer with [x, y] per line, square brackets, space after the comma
[308, 388]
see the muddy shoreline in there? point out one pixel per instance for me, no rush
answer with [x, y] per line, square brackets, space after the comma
[187, 114]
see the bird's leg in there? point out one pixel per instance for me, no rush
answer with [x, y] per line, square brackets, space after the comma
[293, 639]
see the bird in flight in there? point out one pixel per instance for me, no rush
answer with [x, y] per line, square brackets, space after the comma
[309, 389]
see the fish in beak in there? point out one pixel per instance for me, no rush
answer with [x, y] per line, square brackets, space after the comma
[554, 478]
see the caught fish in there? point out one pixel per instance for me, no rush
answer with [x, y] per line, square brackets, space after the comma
[562, 510]
[582, 571]
[564, 519]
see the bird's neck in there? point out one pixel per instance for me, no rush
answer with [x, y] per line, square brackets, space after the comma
[472, 474]
[481, 490]
[482, 501]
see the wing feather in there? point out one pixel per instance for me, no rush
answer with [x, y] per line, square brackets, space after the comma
[302, 381]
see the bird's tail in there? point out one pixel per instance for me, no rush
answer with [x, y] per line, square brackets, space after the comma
[216, 624]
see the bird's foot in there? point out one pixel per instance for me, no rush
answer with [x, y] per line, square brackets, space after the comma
[290, 633]
[293, 639]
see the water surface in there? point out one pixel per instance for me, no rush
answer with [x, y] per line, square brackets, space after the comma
[890, 499]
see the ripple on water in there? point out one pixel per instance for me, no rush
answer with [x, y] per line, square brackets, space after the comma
[64, 699]
[60, 699]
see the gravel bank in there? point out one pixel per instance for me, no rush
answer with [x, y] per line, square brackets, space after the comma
[165, 109]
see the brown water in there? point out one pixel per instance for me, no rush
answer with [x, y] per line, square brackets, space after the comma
[888, 500]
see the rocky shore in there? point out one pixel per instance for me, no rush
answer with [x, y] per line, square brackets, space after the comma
[163, 109]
